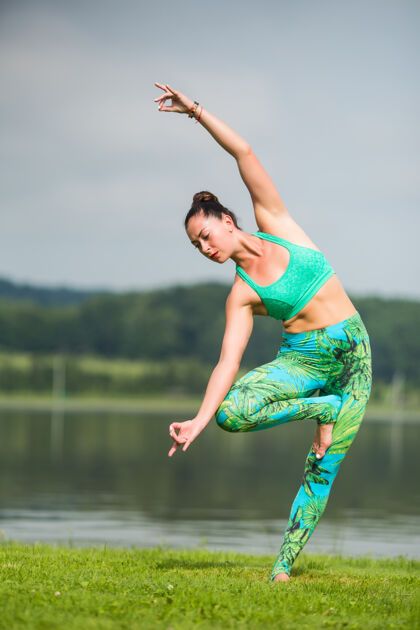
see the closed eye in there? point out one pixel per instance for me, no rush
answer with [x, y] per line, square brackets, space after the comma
[204, 237]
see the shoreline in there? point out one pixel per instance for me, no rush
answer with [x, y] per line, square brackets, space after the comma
[156, 405]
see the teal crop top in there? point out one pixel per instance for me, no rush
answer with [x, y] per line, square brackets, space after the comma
[307, 271]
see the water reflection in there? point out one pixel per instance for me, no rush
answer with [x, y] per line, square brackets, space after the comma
[57, 433]
[92, 478]
[396, 441]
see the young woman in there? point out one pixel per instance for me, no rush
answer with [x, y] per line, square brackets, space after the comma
[323, 368]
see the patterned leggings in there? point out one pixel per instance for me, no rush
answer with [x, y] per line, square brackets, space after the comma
[335, 360]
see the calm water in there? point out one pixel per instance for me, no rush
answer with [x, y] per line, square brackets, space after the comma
[92, 479]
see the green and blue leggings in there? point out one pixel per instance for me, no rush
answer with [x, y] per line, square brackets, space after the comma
[335, 360]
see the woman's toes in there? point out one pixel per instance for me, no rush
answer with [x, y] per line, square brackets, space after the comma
[318, 449]
[281, 577]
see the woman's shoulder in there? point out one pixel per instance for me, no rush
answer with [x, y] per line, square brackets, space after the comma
[239, 292]
[287, 229]
[242, 295]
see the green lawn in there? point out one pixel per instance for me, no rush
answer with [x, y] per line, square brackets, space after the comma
[60, 587]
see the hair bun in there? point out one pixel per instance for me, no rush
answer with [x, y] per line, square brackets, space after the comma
[204, 195]
[204, 202]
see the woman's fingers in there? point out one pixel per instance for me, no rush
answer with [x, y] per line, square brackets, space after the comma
[170, 91]
[176, 445]
[175, 436]
[186, 434]
[173, 449]
[163, 97]
[171, 95]
[164, 108]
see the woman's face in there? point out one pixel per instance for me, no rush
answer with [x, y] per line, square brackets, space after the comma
[212, 236]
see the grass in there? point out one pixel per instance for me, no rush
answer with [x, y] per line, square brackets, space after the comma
[43, 586]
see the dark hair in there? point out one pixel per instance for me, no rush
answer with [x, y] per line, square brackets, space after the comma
[209, 204]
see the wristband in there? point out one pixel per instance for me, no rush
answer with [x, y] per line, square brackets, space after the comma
[199, 115]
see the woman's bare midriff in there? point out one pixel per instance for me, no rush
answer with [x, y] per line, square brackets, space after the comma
[330, 305]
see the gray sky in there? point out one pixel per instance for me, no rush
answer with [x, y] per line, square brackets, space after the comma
[95, 182]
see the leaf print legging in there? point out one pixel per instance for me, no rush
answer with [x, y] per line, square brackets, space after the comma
[335, 360]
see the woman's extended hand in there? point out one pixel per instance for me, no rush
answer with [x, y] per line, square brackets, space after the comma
[187, 432]
[180, 103]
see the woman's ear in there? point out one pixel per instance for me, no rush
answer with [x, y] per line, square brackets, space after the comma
[228, 222]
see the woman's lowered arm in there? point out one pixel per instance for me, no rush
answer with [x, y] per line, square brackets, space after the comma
[239, 324]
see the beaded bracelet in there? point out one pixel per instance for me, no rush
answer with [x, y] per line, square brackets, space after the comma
[192, 109]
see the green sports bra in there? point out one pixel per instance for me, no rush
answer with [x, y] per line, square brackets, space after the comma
[307, 271]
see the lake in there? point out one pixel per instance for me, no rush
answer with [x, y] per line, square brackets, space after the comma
[106, 479]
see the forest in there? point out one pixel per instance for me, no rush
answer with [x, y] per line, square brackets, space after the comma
[173, 335]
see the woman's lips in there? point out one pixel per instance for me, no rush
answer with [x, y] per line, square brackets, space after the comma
[214, 255]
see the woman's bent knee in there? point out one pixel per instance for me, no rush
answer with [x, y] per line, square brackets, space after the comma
[228, 417]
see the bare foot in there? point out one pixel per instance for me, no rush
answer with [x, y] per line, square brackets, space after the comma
[281, 577]
[323, 439]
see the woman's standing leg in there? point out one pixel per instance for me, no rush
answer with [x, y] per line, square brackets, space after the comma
[350, 377]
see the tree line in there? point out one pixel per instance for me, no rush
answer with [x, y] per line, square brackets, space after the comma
[188, 322]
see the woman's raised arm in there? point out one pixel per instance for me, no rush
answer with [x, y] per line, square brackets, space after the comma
[267, 202]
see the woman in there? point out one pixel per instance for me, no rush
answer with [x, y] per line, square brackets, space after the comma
[325, 349]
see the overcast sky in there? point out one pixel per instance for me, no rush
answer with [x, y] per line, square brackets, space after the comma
[95, 182]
